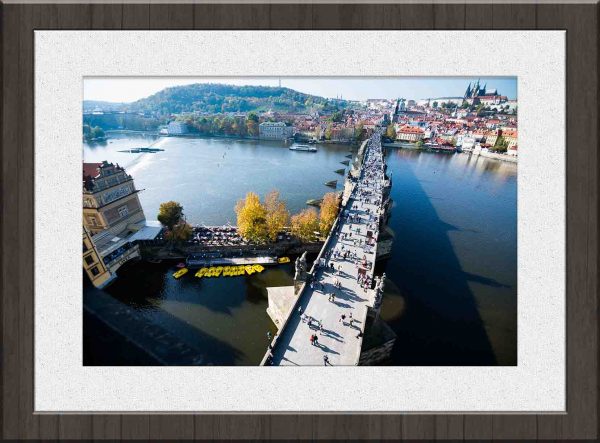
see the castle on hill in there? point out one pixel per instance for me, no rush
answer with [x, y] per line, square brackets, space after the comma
[476, 94]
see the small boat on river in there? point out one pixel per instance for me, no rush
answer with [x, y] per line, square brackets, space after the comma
[180, 273]
[142, 150]
[282, 260]
[302, 148]
[315, 202]
[331, 184]
[340, 171]
[229, 271]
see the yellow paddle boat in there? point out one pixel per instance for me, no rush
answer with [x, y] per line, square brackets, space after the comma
[281, 260]
[180, 273]
[201, 272]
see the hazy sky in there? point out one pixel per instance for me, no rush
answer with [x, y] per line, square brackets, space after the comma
[122, 89]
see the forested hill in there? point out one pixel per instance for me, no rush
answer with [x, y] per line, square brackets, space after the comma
[216, 98]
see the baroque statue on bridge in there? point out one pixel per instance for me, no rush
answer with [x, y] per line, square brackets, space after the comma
[301, 267]
[379, 288]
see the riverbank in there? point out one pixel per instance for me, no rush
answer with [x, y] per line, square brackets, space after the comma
[495, 156]
[224, 136]
[486, 154]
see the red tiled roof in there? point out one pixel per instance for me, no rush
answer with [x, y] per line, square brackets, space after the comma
[411, 130]
[91, 169]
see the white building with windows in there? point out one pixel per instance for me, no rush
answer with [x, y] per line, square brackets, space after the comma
[177, 128]
[275, 131]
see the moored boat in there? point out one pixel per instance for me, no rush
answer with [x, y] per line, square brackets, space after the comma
[281, 260]
[302, 148]
[180, 273]
[229, 271]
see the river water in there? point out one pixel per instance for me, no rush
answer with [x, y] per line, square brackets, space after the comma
[451, 292]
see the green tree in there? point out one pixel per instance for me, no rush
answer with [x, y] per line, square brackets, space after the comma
[420, 144]
[501, 144]
[170, 214]
[328, 132]
[358, 131]
[435, 105]
[337, 117]
[182, 231]
[252, 124]
[391, 132]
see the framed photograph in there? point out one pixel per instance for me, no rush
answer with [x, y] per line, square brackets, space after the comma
[300, 221]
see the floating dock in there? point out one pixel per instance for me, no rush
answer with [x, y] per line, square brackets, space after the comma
[230, 261]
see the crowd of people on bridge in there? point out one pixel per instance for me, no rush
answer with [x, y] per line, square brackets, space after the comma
[356, 234]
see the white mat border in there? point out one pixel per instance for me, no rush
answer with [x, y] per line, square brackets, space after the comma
[63, 58]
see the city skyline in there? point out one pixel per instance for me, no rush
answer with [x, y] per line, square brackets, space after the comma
[126, 90]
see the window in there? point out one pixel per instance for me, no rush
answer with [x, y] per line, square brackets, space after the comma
[85, 247]
[95, 272]
[123, 211]
[89, 260]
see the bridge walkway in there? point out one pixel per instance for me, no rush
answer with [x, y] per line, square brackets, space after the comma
[340, 341]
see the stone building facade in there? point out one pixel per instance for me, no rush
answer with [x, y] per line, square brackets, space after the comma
[112, 215]
[275, 131]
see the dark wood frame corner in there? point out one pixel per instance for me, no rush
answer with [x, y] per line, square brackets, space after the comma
[16, 280]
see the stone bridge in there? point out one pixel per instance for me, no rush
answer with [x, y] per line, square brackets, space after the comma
[339, 298]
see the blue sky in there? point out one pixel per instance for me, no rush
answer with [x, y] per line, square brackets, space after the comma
[124, 89]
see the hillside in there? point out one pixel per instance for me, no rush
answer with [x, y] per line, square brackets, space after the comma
[216, 98]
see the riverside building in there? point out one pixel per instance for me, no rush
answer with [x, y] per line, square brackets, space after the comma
[275, 131]
[113, 219]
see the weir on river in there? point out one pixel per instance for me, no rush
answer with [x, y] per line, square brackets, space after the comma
[345, 269]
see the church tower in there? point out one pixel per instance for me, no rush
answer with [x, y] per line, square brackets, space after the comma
[468, 91]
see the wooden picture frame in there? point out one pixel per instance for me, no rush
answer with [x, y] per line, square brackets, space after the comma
[581, 21]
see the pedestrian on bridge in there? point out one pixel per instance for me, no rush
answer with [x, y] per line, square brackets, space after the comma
[325, 360]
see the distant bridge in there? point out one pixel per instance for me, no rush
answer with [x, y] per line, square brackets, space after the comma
[351, 249]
